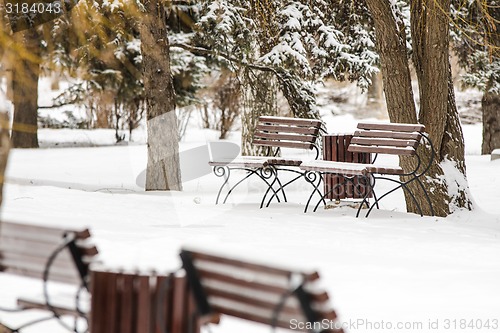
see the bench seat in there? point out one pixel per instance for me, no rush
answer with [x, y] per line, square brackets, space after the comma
[242, 161]
[343, 168]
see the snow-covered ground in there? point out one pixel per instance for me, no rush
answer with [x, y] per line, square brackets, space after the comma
[392, 267]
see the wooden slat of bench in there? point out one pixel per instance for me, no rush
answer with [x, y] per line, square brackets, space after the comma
[291, 121]
[144, 302]
[311, 276]
[26, 304]
[393, 170]
[384, 142]
[127, 313]
[179, 305]
[290, 309]
[394, 135]
[316, 296]
[284, 162]
[11, 259]
[33, 271]
[40, 249]
[164, 288]
[392, 127]
[287, 129]
[256, 314]
[242, 161]
[283, 144]
[284, 137]
[342, 168]
[38, 233]
[382, 150]
[247, 311]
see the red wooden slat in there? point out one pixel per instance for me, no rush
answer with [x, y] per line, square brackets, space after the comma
[179, 305]
[393, 135]
[98, 302]
[127, 303]
[113, 299]
[392, 127]
[143, 305]
[290, 121]
[162, 298]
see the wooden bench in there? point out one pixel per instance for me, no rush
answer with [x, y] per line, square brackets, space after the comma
[48, 254]
[376, 138]
[274, 296]
[273, 133]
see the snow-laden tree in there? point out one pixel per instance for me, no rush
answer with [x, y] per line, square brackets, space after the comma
[476, 40]
[289, 45]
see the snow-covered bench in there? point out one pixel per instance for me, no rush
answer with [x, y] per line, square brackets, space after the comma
[271, 295]
[273, 133]
[52, 255]
[376, 138]
[116, 302]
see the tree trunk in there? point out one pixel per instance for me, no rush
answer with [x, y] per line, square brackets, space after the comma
[447, 187]
[391, 45]
[491, 122]
[25, 74]
[375, 93]
[4, 149]
[259, 99]
[438, 110]
[163, 169]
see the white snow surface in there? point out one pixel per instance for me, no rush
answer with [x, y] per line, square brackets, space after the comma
[393, 266]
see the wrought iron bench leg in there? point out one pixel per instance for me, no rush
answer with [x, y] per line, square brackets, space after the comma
[428, 199]
[263, 173]
[282, 186]
[369, 186]
[347, 180]
[225, 172]
[311, 177]
[401, 185]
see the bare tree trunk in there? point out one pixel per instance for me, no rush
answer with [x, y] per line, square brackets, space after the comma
[375, 92]
[25, 74]
[260, 99]
[4, 149]
[163, 169]
[491, 122]
[438, 110]
[391, 45]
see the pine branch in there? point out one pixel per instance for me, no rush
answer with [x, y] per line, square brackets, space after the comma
[201, 51]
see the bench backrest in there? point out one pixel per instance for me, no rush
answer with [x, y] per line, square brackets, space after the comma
[25, 250]
[287, 132]
[255, 292]
[389, 138]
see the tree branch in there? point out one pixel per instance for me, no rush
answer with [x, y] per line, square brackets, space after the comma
[201, 51]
